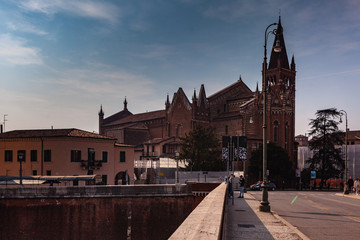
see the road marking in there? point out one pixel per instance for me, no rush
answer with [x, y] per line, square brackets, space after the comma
[294, 199]
[324, 208]
[310, 201]
[356, 219]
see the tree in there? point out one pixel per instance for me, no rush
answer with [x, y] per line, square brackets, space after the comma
[327, 160]
[279, 164]
[200, 149]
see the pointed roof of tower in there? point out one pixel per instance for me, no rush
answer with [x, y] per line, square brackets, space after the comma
[194, 96]
[125, 104]
[292, 65]
[167, 103]
[279, 59]
[202, 96]
[101, 112]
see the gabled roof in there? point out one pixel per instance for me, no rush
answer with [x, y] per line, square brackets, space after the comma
[117, 116]
[139, 117]
[38, 133]
[238, 84]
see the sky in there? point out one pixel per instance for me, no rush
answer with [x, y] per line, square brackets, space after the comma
[61, 60]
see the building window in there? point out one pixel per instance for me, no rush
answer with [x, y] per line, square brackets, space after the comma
[91, 154]
[33, 155]
[21, 155]
[104, 179]
[276, 131]
[226, 130]
[75, 156]
[164, 149]
[8, 155]
[104, 156]
[48, 172]
[34, 172]
[47, 155]
[122, 156]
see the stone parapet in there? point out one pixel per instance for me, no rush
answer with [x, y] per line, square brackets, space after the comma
[96, 191]
[205, 222]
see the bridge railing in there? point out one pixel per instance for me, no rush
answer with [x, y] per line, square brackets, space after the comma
[206, 221]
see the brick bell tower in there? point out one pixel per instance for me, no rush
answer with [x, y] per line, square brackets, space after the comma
[280, 83]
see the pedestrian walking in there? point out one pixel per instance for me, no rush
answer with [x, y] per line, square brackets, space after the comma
[357, 185]
[242, 185]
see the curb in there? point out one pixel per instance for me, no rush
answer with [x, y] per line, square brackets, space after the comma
[295, 229]
[347, 195]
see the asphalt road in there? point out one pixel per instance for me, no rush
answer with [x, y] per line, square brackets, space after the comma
[319, 215]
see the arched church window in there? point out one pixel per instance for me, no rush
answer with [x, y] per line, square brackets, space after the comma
[276, 131]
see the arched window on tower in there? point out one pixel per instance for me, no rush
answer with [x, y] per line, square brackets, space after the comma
[276, 131]
[286, 135]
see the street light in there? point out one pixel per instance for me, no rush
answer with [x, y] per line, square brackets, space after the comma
[177, 154]
[264, 204]
[342, 112]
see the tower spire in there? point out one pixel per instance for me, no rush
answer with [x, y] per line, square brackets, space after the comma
[125, 104]
[279, 59]
[292, 65]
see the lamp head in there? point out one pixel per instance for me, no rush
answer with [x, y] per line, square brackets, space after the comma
[277, 47]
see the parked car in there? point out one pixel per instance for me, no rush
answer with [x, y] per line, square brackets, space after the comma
[257, 186]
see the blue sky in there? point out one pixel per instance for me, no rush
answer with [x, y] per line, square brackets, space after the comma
[60, 60]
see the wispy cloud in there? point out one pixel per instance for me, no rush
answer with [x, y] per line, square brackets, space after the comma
[81, 8]
[231, 11]
[98, 83]
[25, 27]
[14, 51]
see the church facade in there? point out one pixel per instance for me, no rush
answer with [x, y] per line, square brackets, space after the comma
[233, 111]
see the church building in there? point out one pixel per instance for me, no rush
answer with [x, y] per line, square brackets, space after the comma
[235, 110]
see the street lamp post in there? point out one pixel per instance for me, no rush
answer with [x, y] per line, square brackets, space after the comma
[346, 157]
[264, 204]
[177, 154]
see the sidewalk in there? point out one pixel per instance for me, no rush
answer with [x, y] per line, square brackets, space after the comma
[350, 195]
[243, 220]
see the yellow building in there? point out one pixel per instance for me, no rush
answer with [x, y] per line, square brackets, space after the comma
[65, 152]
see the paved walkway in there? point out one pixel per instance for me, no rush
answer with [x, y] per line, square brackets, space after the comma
[243, 220]
[350, 195]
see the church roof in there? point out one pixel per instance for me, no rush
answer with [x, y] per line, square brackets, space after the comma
[139, 117]
[240, 84]
[117, 116]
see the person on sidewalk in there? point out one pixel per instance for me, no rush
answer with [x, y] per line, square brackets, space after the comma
[357, 185]
[242, 185]
[230, 187]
